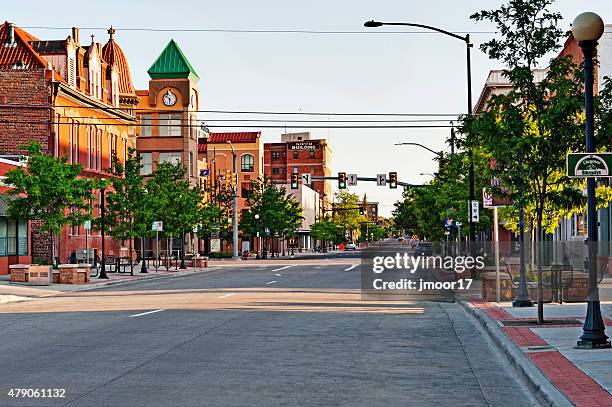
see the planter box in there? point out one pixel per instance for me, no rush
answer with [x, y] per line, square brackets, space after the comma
[200, 262]
[30, 274]
[74, 273]
[19, 273]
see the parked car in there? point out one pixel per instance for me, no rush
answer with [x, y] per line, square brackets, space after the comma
[424, 248]
[350, 246]
[414, 243]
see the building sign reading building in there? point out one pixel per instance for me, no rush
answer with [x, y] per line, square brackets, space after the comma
[304, 145]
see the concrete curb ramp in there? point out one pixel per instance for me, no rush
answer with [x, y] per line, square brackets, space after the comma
[543, 389]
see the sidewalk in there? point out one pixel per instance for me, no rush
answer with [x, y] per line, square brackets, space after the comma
[583, 376]
[18, 292]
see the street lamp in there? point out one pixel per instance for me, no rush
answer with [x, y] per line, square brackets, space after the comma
[587, 28]
[468, 45]
[102, 226]
[438, 153]
[258, 238]
[143, 269]
[235, 234]
[427, 173]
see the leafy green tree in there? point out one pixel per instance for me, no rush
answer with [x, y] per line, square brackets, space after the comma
[172, 200]
[324, 230]
[51, 191]
[346, 214]
[124, 218]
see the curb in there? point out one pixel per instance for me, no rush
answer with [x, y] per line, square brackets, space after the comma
[543, 389]
[135, 281]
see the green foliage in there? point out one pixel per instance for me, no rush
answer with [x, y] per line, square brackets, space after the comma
[172, 200]
[50, 190]
[277, 210]
[324, 230]
[346, 213]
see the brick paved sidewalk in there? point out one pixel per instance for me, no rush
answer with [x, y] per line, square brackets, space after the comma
[583, 376]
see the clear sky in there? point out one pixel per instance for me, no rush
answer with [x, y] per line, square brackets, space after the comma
[373, 72]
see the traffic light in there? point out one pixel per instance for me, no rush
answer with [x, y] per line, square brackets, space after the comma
[342, 180]
[393, 180]
[294, 181]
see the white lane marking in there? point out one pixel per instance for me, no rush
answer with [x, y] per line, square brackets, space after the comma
[282, 268]
[146, 313]
[227, 295]
[276, 274]
[318, 267]
[271, 282]
[351, 267]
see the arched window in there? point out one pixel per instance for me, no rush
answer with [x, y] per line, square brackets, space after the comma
[247, 163]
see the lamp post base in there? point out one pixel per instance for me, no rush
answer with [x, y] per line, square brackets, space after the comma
[522, 302]
[593, 332]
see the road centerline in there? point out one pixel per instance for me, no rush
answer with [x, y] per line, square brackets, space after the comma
[282, 268]
[146, 313]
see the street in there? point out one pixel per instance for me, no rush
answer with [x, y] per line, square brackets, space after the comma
[281, 334]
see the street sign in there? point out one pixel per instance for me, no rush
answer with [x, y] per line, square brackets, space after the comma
[487, 198]
[449, 222]
[215, 245]
[352, 180]
[306, 178]
[473, 208]
[158, 226]
[204, 173]
[381, 180]
[87, 225]
[583, 165]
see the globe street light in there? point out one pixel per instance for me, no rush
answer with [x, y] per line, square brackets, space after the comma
[587, 28]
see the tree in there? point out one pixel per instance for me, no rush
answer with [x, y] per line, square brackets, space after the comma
[172, 200]
[50, 190]
[346, 214]
[324, 230]
[124, 218]
[278, 211]
[529, 130]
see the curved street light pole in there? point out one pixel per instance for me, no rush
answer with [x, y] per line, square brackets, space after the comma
[438, 153]
[468, 45]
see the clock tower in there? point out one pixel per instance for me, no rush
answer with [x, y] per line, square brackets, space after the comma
[169, 127]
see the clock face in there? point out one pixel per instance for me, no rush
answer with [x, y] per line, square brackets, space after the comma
[169, 98]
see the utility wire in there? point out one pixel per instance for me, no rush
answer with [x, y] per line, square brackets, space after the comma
[123, 109]
[229, 126]
[252, 31]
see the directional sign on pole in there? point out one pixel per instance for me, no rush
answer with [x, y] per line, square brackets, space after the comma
[474, 211]
[87, 225]
[487, 198]
[306, 178]
[381, 180]
[158, 226]
[352, 180]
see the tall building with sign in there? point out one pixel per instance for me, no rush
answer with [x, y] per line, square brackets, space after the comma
[169, 128]
[297, 153]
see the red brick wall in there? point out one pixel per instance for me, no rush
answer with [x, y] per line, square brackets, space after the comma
[21, 88]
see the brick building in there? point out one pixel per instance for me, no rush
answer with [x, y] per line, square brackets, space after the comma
[75, 100]
[297, 153]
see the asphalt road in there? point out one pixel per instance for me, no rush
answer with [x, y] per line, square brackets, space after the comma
[254, 336]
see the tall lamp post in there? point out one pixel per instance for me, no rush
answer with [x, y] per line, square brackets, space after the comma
[258, 238]
[468, 45]
[587, 28]
[143, 269]
[235, 191]
[102, 227]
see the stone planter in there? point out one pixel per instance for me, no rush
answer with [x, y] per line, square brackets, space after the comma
[74, 273]
[200, 262]
[30, 274]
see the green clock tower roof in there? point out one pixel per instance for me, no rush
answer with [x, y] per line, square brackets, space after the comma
[172, 63]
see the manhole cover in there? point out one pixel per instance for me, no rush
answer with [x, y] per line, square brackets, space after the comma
[534, 322]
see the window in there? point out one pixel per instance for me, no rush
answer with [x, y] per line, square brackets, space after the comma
[146, 161]
[275, 171]
[13, 237]
[247, 163]
[169, 124]
[172, 157]
[311, 154]
[295, 155]
[245, 189]
[56, 136]
[145, 125]
[190, 164]
[295, 170]
[275, 155]
[284, 170]
[284, 154]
